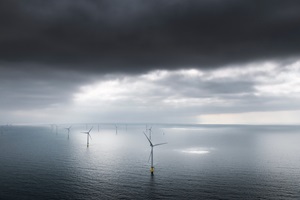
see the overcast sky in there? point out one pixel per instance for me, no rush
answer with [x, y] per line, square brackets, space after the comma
[175, 61]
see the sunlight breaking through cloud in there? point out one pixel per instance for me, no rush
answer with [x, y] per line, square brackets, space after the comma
[283, 81]
[193, 92]
[222, 95]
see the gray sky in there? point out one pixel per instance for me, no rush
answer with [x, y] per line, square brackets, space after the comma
[209, 61]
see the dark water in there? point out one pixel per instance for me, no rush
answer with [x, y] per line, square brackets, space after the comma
[199, 162]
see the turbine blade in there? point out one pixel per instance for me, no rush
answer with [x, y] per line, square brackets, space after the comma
[160, 144]
[148, 139]
[90, 129]
[90, 136]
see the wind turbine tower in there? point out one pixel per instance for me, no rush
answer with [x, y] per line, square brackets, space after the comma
[88, 136]
[68, 131]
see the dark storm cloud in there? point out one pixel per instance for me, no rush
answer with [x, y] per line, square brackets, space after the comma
[136, 36]
[37, 87]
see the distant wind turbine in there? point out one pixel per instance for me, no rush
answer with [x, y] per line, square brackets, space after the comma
[116, 129]
[88, 136]
[151, 153]
[56, 129]
[68, 131]
[52, 127]
[150, 131]
[146, 128]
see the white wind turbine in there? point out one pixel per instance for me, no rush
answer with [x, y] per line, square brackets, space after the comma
[116, 129]
[88, 136]
[151, 153]
[68, 131]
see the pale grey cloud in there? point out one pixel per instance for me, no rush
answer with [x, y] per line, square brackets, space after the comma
[160, 95]
[186, 94]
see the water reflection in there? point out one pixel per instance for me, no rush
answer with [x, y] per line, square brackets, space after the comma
[240, 163]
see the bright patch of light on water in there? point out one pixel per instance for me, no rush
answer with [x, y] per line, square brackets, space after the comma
[195, 151]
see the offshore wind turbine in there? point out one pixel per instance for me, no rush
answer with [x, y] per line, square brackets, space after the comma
[88, 136]
[68, 131]
[52, 127]
[151, 153]
[116, 129]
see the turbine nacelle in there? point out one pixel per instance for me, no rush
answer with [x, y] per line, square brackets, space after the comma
[87, 132]
[68, 129]
[151, 144]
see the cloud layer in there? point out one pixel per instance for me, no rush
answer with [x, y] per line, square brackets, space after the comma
[188, 96]
[158, 60]
[137, 36]
[182, 96]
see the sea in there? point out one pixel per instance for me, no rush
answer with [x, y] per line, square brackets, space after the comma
[198, 162]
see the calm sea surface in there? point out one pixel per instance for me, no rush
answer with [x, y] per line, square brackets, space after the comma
[199, 162]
